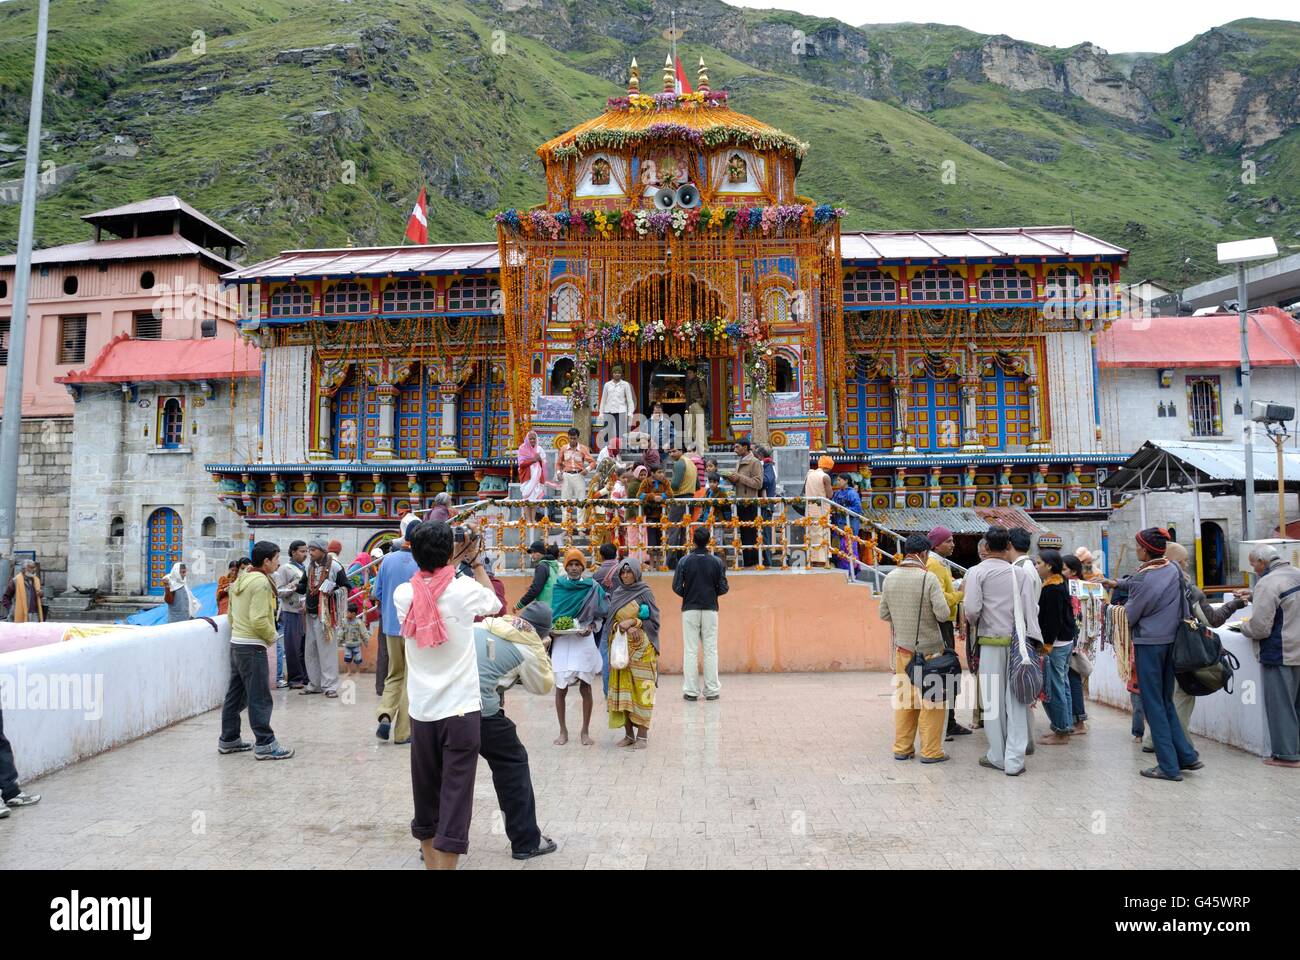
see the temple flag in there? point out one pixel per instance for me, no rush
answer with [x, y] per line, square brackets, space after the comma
[417, 228]
[683, 85]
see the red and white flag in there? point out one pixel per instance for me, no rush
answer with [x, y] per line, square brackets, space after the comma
[417, 228]
[683, 85]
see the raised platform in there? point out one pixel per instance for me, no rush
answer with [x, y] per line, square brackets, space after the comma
[810, 621]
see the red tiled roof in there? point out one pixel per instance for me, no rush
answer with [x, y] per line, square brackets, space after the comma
[1213, 340]
[125, 360]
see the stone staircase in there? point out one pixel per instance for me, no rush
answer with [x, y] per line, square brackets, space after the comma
[74, 607]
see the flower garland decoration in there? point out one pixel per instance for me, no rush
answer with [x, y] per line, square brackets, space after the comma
[667, 101]
[643, 222]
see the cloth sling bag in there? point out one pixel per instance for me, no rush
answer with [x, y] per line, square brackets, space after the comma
[1024, 669]
[1196, 645]
[930, 676]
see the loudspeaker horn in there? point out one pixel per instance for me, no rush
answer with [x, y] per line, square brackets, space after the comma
[687, 195]
[664, 199]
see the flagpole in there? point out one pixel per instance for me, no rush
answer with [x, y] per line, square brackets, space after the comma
[673, 33]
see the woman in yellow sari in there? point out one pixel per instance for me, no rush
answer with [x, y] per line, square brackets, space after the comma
[630, 692]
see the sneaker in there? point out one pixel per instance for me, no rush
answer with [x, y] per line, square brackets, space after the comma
[23, 800]
[546, 846]
[382, 731]
[273, 751]
[281, 684]
[237, 747]
[4, 812]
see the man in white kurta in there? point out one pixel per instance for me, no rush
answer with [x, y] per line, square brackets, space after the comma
[617, 404]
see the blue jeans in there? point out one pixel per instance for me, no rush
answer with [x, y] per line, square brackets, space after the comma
[1056, 680]
[1077, 702]
[1155, 667]
[1139, 728]
[279, 657]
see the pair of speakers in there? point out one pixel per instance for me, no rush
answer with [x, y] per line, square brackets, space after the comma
[684, 196]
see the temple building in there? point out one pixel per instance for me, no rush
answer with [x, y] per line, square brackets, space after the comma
[946, 369]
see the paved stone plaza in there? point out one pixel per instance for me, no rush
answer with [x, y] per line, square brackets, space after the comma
[786, 771]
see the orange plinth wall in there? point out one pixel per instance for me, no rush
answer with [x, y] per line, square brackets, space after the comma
[776, 623]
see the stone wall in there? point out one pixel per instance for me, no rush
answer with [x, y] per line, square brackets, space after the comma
[123, 473]
[44, 466]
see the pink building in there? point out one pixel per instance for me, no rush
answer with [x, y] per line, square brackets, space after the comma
[152, 272]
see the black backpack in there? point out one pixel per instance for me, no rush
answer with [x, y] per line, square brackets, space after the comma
[1207, 680]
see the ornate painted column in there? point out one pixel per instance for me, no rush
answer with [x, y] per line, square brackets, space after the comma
[902, 388]
[386, 376]
[452, 375]
[332, 375]
[934, 490]
[900, 487]
[1036, 442]
[1004, 485]
[971, 441]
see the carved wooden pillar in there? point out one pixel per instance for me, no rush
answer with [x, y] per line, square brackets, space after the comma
[330, 378]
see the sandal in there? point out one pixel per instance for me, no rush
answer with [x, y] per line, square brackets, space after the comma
[626, 742]
[641, 743]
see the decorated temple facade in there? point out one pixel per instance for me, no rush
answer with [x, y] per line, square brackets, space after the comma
[944, 368]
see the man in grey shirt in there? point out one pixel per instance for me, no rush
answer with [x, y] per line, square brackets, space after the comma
[991, 590]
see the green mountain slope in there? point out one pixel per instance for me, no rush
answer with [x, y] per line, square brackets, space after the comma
[314, 123]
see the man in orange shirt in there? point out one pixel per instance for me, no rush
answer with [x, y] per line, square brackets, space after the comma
[574, 462]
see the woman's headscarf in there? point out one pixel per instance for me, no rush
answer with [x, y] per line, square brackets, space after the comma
[620, 595]
[177, 583]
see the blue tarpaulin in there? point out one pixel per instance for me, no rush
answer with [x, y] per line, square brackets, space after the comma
[205, 594]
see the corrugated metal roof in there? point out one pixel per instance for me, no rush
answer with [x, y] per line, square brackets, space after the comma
[925, 519]
[126, 360]
[1012, 517]
[130, 248]
[1215, 467]
[167, 204]
[1030, 242]
[371, 261]
[1213, 340]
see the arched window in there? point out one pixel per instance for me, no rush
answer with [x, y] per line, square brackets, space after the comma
[560, 374]
[1101, 291]
[776, 305]
[117, 528]
[870, 286]
[783, 376]
[209, 527]
[470, 293]
[938, 284]
[171, 425]
[291, 300]
[1063, 284]
[566, 305]
[1006, 283]
[410, 296]
[347, 297]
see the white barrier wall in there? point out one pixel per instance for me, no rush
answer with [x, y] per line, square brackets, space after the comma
[68, 701]
[1236, 719]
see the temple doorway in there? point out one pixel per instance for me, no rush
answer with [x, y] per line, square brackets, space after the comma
[664, 382]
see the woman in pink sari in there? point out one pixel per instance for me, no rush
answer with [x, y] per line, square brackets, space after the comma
[533, 481]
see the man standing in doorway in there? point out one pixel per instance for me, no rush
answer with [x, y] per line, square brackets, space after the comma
[700, 579]
[575, 461]
[697, 404]
[747, 478]
[617, 404]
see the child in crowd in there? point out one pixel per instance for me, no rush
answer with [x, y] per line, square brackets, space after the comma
[351, 638]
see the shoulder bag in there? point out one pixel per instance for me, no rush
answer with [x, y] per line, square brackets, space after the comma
[1024, 668]
[931, 675]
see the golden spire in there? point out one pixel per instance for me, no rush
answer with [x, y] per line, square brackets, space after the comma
[634, 80]
[702, 81]
[670, 75]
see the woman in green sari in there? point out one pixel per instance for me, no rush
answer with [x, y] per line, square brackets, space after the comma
[630, 692]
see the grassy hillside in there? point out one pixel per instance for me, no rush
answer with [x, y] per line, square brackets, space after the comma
[262, 136]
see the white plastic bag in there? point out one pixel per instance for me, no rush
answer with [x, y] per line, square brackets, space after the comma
[618, 655]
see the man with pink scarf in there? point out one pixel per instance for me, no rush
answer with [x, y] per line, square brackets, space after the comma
[436, 609]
